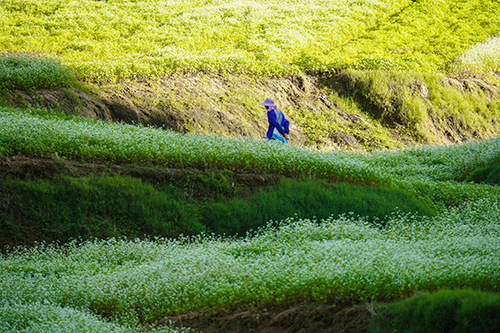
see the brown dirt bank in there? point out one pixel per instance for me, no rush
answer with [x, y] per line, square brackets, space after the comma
[26, 167]
[228, 105]
[303, 318]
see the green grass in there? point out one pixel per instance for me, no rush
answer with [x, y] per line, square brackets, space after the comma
[31, 72]
[62, 208]
[482, 57]
[418, 107]
[444, 311]
[102, 40]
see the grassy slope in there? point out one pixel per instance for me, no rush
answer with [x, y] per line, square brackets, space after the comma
[105, 39]
[306, 253]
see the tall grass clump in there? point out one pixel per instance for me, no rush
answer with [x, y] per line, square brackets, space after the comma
[28, 72]
[458, 311]
[308, 199]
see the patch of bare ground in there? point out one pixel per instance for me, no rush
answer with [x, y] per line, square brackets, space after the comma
[302, 318]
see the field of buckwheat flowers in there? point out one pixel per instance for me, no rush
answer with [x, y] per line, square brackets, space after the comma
[117, 285]
[102, 40]
[124, 285]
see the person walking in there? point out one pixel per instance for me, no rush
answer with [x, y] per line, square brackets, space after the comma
[278, 125]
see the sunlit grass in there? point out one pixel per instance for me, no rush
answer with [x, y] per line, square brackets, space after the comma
[108, 39]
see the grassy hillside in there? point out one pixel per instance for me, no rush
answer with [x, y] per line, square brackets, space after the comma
[135, 188]
[109, 39]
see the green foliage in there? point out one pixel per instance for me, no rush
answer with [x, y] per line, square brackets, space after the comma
[62, 208]
[29, 72]
[488, 175]
[454, 311]
[104, 40]
[43, 318]
[98, 206]
[308, 199]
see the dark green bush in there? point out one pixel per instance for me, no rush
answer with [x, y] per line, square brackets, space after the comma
[487, 175]
[307, 199]
[28, 71]
[453, 311]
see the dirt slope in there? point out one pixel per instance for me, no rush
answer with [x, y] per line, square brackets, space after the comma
[302, 318]
[228, 105]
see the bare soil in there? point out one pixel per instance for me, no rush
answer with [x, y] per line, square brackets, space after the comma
[302, 318]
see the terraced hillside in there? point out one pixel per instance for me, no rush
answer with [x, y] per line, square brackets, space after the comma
[137, 193]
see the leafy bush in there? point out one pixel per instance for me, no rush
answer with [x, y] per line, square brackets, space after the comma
[28, 71]
[454, 311]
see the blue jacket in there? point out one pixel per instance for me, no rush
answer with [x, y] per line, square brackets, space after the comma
[282, 125]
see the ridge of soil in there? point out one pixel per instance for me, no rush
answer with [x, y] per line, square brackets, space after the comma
[300, 318]
[29, 167]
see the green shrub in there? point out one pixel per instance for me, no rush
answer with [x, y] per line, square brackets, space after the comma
[488, 175]
[453, 311]
[28, 71]
[307, 199]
